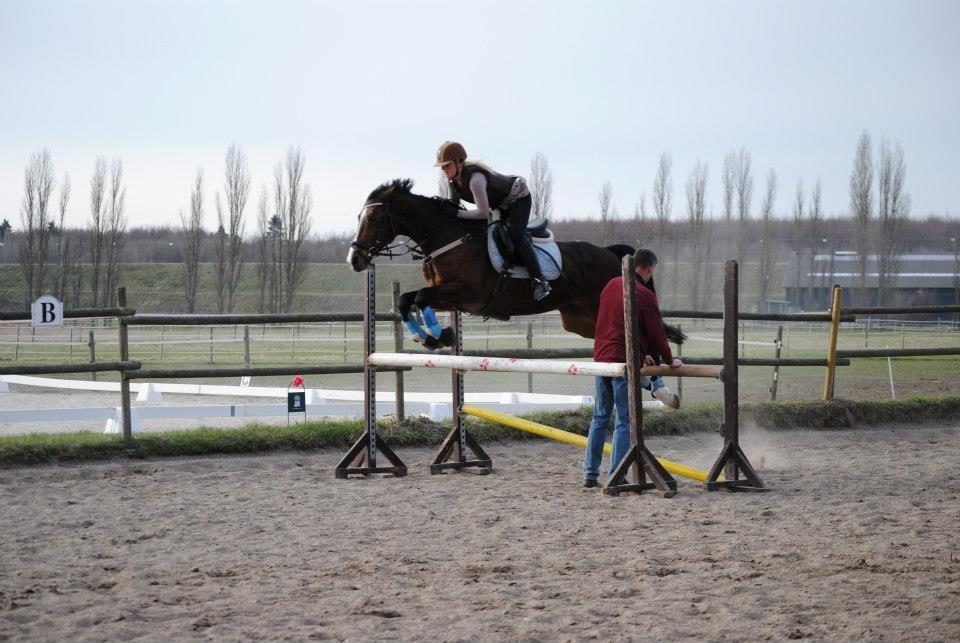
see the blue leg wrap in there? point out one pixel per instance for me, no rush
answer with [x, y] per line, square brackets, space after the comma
[430, 319]
[417, 333]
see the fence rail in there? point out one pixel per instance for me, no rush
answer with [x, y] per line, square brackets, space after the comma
[53, 369]
[69, 313]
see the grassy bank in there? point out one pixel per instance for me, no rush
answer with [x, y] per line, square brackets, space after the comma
[85, 446]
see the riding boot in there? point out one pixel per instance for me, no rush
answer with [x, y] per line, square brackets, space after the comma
[541, 287]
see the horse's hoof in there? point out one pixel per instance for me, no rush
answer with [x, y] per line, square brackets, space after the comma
[431, 343]
[447, 338]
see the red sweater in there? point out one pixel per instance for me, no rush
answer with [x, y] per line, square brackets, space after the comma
[609, 343]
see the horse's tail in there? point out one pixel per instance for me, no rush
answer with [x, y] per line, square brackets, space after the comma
[621, 250]
[674, 334]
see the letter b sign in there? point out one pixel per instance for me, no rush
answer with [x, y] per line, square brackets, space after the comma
[46, 311]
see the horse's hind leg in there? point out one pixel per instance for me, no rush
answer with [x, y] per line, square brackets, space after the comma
[577, 320]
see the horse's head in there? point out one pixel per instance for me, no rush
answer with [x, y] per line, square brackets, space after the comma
[378, 224]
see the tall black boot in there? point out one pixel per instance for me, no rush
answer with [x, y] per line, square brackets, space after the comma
[541, 287]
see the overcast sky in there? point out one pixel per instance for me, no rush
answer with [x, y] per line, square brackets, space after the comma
[368, 90]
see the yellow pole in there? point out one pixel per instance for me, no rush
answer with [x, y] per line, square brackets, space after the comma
[832, 347]
[571, 438]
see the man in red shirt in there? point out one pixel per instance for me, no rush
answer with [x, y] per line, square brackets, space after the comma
[609, 345]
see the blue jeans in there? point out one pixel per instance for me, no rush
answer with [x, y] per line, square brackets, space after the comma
[611, 392]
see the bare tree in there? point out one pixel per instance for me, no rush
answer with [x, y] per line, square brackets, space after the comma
[541, 187]
[861, 205]
[265, 265]
[728, 183]
[33, 244]
[798, 214]
[767, 242]
[663, 196]
[744, 187]
[97, 229]
[294, 202]
[606, 199]
[696, 207]
[230, 222]
[191, 227]
[443, 186]
[64, 243]
[640, 217]
[220, 273]
[893, 207]
[814, 225]
[115, 228]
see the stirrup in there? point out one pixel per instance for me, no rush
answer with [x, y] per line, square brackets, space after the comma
[541, 288]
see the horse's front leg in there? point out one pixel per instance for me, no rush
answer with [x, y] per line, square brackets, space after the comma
[407, 314]
[443, 297]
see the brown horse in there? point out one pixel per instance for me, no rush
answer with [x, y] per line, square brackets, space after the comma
[462, 278]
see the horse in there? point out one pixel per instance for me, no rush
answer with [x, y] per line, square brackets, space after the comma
[458, 271]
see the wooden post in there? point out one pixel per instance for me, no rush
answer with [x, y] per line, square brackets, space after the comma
[529, 347]
[124, 356]
[246, 347]
[776, 369]
[732, 461]
[680, 379]
[638, 458]
[832, 345]
[93, 354]
[398, 347]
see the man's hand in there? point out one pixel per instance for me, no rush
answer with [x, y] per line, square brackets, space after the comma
[676, 363]
[648, 361]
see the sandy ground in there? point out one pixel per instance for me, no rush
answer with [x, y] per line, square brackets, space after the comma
[858, 539]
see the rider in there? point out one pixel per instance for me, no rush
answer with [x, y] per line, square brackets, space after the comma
[488, 190]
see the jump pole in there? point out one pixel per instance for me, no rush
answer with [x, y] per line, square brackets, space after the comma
[731, 461]
[566, 437]
[361, 459]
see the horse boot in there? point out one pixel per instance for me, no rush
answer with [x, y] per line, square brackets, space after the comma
[541, 287]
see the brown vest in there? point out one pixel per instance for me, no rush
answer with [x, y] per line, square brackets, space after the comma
[498, 185]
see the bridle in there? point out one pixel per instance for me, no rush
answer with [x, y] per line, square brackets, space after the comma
[383, 248]
[412, 247]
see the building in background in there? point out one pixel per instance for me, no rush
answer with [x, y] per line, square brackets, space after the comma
[918, 280]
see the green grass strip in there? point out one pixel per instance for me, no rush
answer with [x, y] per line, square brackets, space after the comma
[39, 448]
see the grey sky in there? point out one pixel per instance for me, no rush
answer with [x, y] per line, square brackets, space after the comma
[369, 89]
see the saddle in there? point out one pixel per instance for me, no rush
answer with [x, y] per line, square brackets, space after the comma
[505, 246]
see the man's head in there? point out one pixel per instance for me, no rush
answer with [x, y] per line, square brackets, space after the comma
[645, 262]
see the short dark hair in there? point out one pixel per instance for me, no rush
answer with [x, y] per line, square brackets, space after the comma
[644, 258]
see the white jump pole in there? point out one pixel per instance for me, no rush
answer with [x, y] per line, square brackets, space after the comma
[515, 365]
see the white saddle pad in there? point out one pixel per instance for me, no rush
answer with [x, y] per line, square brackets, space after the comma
[546, 251]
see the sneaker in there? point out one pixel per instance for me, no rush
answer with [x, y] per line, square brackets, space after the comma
[668, 397]
[541, 289]
[590, 484]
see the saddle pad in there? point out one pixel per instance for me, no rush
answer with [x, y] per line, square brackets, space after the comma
[546, 251]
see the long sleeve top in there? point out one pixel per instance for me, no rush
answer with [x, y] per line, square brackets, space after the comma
[609, 344]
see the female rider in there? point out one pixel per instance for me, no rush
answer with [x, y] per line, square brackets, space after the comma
[488, 190]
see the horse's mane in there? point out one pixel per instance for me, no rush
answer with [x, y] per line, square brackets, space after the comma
[397, 185]
[405, 186]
